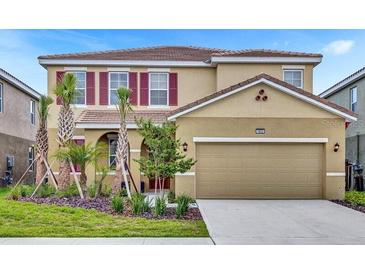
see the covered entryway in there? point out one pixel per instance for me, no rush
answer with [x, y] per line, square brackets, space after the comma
[259, 170]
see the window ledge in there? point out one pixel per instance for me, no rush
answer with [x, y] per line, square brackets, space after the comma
[112, 106]
[78, 106]
[164, 107]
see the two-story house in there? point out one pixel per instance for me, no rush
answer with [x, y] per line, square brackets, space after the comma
[18, 125]
[349, 93]
[248, 117]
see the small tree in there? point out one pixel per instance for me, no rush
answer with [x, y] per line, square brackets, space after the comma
[66, 92]
[81, 155]
[42, 136]
[164, 157]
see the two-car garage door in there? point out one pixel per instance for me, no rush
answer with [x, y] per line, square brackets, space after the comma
[259, 170]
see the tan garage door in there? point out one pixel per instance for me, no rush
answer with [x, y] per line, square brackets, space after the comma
[259, 170]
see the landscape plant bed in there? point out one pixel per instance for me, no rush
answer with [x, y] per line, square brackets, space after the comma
[349, 205]
[103, 204]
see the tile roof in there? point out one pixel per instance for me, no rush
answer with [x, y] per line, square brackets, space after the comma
[112, 116]
[265, 53]
[254, 79]
[174, 53]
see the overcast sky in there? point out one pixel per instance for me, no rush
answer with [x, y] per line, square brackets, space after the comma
[343, 50]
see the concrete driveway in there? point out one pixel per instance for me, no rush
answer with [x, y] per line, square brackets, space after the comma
[282, 222]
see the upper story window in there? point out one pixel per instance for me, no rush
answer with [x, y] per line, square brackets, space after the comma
[32, 112]
[1, 98]
[353, 99]
[116, 80]
[294, 77]
[158, 89]
[80, 98]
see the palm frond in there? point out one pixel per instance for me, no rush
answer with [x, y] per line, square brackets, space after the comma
[124, 106]
[66, 89]
[43, 108]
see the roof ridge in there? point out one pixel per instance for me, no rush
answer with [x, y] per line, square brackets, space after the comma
[264, 50]
[130, 50]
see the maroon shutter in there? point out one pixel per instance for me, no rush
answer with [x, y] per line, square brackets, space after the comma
[59, 77]
[79, 142]
[173, 89]
[133, 88]
[90, 88]
[143, 89]
[103, 88]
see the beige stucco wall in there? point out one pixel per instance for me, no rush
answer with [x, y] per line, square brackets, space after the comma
[15, 118]
[298, 120]
[230, 74]
[193, 84]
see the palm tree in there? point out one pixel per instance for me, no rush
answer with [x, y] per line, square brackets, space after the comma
[66, 91]
[122, 145]
[81, 155]
[42, 136]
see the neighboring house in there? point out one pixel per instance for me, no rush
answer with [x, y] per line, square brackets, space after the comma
[350, 93]
[248, 117]
[18, 125]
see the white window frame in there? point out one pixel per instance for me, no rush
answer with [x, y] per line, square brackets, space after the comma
[1, 98]
[109, 82]
[32, 112]
[353, 104]
[167, 90]
[295, 70]
[84, 72]
[31, 159]
[110, 139]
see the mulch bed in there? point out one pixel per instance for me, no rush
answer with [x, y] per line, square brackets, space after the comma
[103, 204]
[347, 204]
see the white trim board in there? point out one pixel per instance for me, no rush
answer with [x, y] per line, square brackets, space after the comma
[336, 174]
[17, 83]
[257, 140]
[105, 126]
[185, 174]
[45, 62]
[348, 81]
[274, 85]
[253, 59]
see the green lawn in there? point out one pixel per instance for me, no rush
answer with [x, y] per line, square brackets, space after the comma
[21, 219]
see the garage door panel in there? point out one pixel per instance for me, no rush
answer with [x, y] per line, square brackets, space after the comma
[259, 170]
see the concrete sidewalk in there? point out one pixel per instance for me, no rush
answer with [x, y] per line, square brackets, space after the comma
[105, 241]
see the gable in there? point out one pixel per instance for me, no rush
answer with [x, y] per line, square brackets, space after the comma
[244, 104]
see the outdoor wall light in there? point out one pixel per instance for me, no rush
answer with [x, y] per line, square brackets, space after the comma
[336, 147]
[185, 147]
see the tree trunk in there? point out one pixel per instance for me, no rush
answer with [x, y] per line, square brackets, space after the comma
[64, 175]
[163, 186]
[117, 184]
[83, 180]
[40, 170]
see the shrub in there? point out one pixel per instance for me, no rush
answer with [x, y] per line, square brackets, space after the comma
[183, 202]
[355, 197]
[123, 192]
[45, 190]
[69, 191]
[118, 204]
[106, 191]
[14, 194]
[26, 190]
[160, 206]
[171, 197]
[91, 190]
[139, 204]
